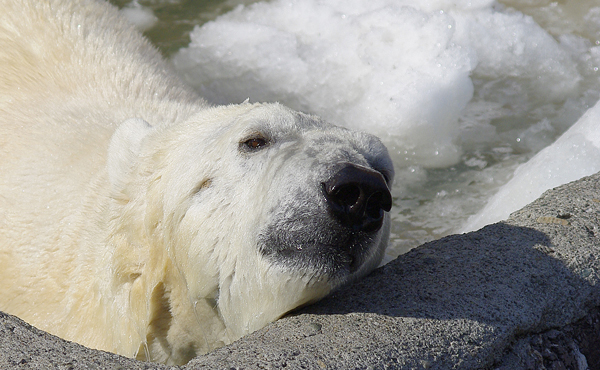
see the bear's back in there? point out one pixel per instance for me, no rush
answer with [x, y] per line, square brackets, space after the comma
[71, 71]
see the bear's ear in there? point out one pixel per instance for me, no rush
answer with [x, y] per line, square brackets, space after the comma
[124, 149]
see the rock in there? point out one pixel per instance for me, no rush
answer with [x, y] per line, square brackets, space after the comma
[559, 349]
[24, 347]
[520, 294]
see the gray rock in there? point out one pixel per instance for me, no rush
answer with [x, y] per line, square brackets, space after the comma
[25, 347]
[513, 295]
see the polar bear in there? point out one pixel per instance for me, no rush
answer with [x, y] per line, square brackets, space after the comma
[138, 219]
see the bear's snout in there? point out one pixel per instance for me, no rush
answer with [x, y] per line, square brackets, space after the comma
[357, 196]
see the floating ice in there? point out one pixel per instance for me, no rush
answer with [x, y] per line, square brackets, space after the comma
[574, 155]
[512, 46]
[399, 69]
[141, 17]
[377, 66]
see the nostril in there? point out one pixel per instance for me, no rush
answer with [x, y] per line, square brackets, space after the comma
[347, 195]
[378, 203]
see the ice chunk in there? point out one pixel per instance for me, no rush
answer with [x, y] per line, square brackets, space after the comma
[512, 46]
[398, 69]
[574, 155]
[378, 66]
[141, 17]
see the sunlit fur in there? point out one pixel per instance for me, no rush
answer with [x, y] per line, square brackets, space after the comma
[132, 214]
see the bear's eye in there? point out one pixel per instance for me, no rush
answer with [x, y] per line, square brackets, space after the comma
[254, 143]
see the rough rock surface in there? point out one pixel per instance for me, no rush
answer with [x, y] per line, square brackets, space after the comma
[559, 349]
[521, 294]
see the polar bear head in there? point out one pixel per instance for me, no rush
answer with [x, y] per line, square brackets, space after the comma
[242, 213]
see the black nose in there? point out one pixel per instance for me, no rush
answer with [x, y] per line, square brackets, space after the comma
[357, 196]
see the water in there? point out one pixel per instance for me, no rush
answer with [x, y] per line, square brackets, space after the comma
[175, 19]
[462, 93]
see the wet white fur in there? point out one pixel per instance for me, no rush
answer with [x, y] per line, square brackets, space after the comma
[128, 215]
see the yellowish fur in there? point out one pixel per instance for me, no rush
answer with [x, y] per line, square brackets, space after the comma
[133, 237]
